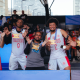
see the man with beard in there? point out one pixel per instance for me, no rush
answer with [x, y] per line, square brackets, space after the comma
[56, 46]
[35, 51]
[18, 45]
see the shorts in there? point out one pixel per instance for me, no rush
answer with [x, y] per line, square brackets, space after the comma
[15, 60]
[62, 63]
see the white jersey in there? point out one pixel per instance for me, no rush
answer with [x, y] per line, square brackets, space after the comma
[56, 50]
[18, 43]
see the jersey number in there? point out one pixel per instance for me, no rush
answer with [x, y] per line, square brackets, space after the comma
[18, 45]
[55, 46]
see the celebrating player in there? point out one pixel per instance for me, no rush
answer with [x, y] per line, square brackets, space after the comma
[18, 45]
[56, 46]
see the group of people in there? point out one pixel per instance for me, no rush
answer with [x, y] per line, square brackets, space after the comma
[74, 51]
[29, 51]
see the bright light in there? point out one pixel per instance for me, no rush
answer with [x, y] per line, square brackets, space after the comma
[61, 7]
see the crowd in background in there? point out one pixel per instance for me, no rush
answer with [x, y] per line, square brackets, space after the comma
[10, 23]
[74, 52]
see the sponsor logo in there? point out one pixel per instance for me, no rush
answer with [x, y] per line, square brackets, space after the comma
[15, 35]
[49, 38]
[63, 63]
[18, 40]
[58, 40]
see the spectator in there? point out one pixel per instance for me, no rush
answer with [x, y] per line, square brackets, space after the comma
[74, 50]
[31, 32]
[14, 26]
[15, 17]
[35, 53]
[25, 25]
[68, 51]
[3, 19]
[10, 27]
[38, 29]
[78, 47]
[23, 16]
[7, 23]
[11, 19]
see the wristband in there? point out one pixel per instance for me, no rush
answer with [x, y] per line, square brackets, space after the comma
[64, 47]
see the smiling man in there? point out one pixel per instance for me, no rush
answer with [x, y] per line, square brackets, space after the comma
[35, 51]
[56, 46]
[17, 37]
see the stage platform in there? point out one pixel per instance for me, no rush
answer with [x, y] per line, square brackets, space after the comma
[35, 75]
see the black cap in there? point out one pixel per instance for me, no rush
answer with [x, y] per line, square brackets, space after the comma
[52, 20]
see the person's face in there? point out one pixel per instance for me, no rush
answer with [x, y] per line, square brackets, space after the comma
[37, 27]
[77, 33]
[19, 23]
[37, 36]
[14, 24]
[22, 12]
[10, 27]
[52, 26]
[14, 12]
[7, 20]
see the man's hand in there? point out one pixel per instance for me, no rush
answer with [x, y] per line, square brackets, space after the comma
[72, 43]
[6, 31]
[45, 42]
[24, 34]
[2, 34]
[28, 40]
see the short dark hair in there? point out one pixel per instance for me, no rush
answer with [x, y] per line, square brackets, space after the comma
[21, 20]
[39, 32]
[10, 24]
[14, 10]
[52, 20]
[8, 18]
[27, 24]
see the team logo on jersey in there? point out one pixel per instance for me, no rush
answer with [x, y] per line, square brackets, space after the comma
[49, 38]
[35, 48]
[15, 35]
[63, 63]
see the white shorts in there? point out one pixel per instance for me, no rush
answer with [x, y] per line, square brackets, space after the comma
[62, 63]
[14, 60]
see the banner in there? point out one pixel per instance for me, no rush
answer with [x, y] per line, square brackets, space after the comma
[73, 20]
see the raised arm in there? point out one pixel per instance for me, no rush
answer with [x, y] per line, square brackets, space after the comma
[2, 40]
